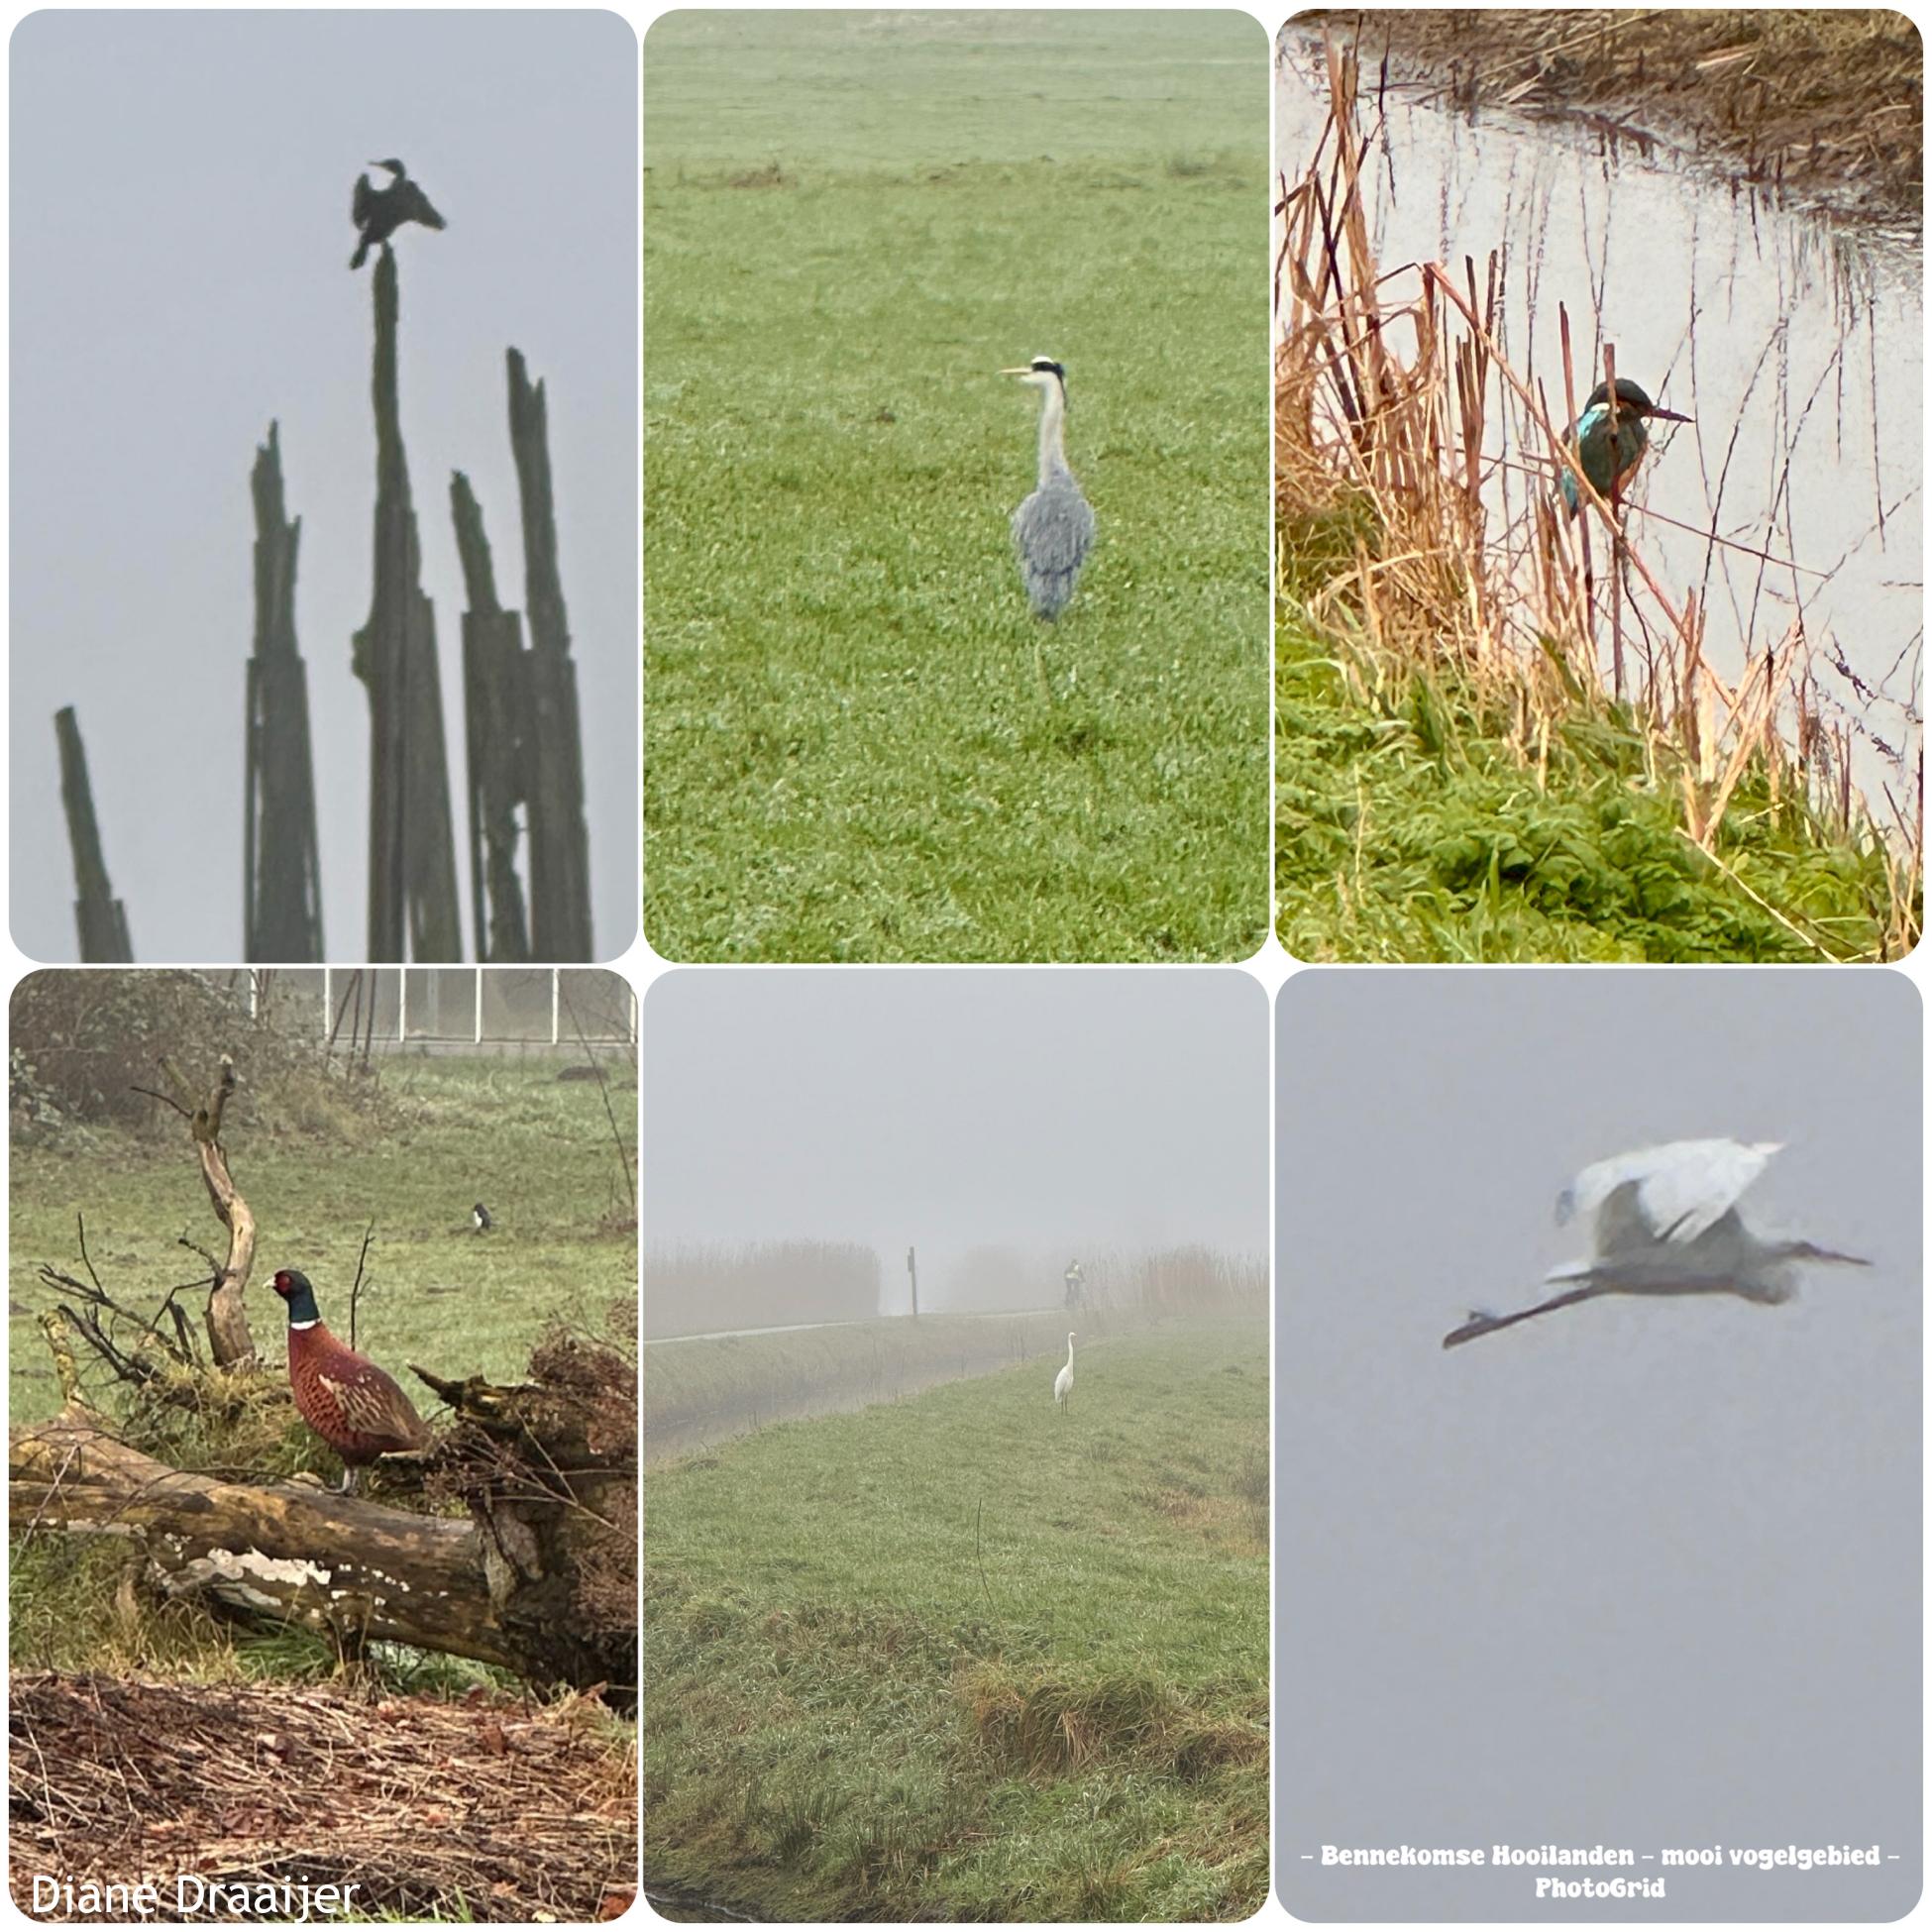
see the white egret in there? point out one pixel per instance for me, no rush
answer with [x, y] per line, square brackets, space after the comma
[1063, 1382]
[1666, 1223]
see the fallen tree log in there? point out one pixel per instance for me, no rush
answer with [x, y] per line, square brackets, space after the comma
[522, 1552]
[539, 1578]
[331, 1563]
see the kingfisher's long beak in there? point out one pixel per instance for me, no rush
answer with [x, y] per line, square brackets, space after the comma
[1660, 414]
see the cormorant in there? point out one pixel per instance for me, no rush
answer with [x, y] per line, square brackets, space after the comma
[379, 212]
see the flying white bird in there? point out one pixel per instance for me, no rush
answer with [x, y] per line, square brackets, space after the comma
[1063, 1382]
[1666, 1223]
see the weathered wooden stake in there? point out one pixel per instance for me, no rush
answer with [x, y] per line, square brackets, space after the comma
[559, 842]
[282, 892]
[412, 895]
[913, 1275]
[495, 703]
[100, 916]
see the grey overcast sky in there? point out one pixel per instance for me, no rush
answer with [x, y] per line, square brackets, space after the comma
[1640, 1574]
[179, 279]
[950, 1109]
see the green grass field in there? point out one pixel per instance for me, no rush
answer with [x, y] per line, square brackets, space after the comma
[859, 744]
[1407, 828]
[963, 1656]
[538, 1150]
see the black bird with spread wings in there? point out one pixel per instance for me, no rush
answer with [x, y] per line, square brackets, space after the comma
[378, 212]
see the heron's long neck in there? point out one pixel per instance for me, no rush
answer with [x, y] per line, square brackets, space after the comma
[1052, 433]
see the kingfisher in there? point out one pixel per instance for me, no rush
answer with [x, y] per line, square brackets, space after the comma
[352, 1404]
[379, 212]
[1590, 434]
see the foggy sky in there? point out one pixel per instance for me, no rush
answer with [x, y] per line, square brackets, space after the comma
[952, 1108]
[1644, 1572]
[181, 239]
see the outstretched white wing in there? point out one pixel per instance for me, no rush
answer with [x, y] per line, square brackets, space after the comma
[1672, 1193]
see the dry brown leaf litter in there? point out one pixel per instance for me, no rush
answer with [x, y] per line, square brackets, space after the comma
[501, 1810]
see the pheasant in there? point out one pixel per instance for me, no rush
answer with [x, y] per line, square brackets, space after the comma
[354, 1406]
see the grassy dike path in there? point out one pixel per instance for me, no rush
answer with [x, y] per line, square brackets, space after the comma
[966, 1656]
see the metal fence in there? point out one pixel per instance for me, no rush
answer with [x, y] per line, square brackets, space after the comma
[445, 1008]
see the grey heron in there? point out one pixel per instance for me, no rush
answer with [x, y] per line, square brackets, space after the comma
[1666, 1223]
[1053, 529]
[379, 212]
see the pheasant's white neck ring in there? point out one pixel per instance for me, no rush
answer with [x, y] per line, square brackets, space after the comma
[305, 1324]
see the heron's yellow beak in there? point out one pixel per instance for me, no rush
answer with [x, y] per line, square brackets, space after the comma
[1027, 371]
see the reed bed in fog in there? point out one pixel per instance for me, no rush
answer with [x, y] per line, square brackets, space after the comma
[1412, 553]
[711, 1286]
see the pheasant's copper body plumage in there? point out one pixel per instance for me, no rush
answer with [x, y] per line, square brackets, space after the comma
[353, 1405]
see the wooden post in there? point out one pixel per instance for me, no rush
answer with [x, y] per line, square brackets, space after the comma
[560, 844]
[281, 888]
[412, 896]
[100, 916]
[493, 706]
[913, 1275]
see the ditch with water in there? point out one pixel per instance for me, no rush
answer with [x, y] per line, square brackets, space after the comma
[1791, 333]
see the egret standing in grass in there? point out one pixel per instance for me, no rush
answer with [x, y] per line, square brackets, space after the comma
[1610, 454]
[1666, 1223]
[1053, 529]
[1063, 1382]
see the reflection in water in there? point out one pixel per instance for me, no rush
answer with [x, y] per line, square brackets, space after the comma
[1793, 342]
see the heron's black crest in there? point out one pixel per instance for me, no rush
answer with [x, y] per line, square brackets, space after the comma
[1046, 366]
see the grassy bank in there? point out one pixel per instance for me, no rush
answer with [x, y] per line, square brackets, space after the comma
[964, 1657]
[859, 744]
[1825, 104]
[1408, 826]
